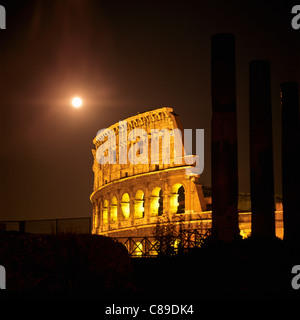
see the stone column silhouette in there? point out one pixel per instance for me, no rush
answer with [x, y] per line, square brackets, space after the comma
[224, 167]
[290, 161]
[261, 150]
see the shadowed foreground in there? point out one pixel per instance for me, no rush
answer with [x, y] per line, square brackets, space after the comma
[64, 264]
[90, 266]
[244, 269]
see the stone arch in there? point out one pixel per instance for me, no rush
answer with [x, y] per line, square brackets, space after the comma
[156, 201]
[177, 198]
[105, 212]
[125, 205]
[113, 209]
[139, 202]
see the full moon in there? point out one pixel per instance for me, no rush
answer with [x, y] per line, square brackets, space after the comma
[76, 102]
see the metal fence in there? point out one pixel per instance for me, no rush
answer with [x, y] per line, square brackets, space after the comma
[148, 247]
[136, 246]
[49, 226]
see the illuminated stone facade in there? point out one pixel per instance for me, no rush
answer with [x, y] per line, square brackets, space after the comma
[128, 199]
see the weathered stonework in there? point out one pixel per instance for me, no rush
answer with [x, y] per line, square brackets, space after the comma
[128, 199]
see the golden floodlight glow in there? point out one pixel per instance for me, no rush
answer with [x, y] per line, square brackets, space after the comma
[76, 102]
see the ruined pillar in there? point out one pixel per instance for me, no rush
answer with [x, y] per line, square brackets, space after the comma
[224, 167]
[290, 161]
[261, 150]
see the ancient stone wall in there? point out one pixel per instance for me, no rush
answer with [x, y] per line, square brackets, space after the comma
[128, 198]
[129, 195]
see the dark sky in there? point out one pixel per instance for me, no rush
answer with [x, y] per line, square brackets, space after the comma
[122, 57]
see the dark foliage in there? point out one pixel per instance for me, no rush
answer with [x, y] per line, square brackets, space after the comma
[64, 264]
[88, 266]
[243, 269]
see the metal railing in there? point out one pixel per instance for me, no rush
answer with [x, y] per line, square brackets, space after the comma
[148, 247]
[49, 226]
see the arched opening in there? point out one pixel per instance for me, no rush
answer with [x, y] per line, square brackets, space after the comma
[138, 249]
[113, 209]
[181, 200]
[177, 199]
[105, 212]
[156, 202]
[125, 205]
[139, 204]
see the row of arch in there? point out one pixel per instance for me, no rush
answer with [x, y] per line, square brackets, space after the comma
[140, 121]
[156, 205]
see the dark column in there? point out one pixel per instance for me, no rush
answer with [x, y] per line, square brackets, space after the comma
[224, 169]
[261, 150]
[22, 226]
[290, 161]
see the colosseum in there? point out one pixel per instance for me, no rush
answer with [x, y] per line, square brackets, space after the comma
[129, 199]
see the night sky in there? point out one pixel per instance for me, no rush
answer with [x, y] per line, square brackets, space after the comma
[121, 57]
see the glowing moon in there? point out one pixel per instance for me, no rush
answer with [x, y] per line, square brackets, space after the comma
[76, 102]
